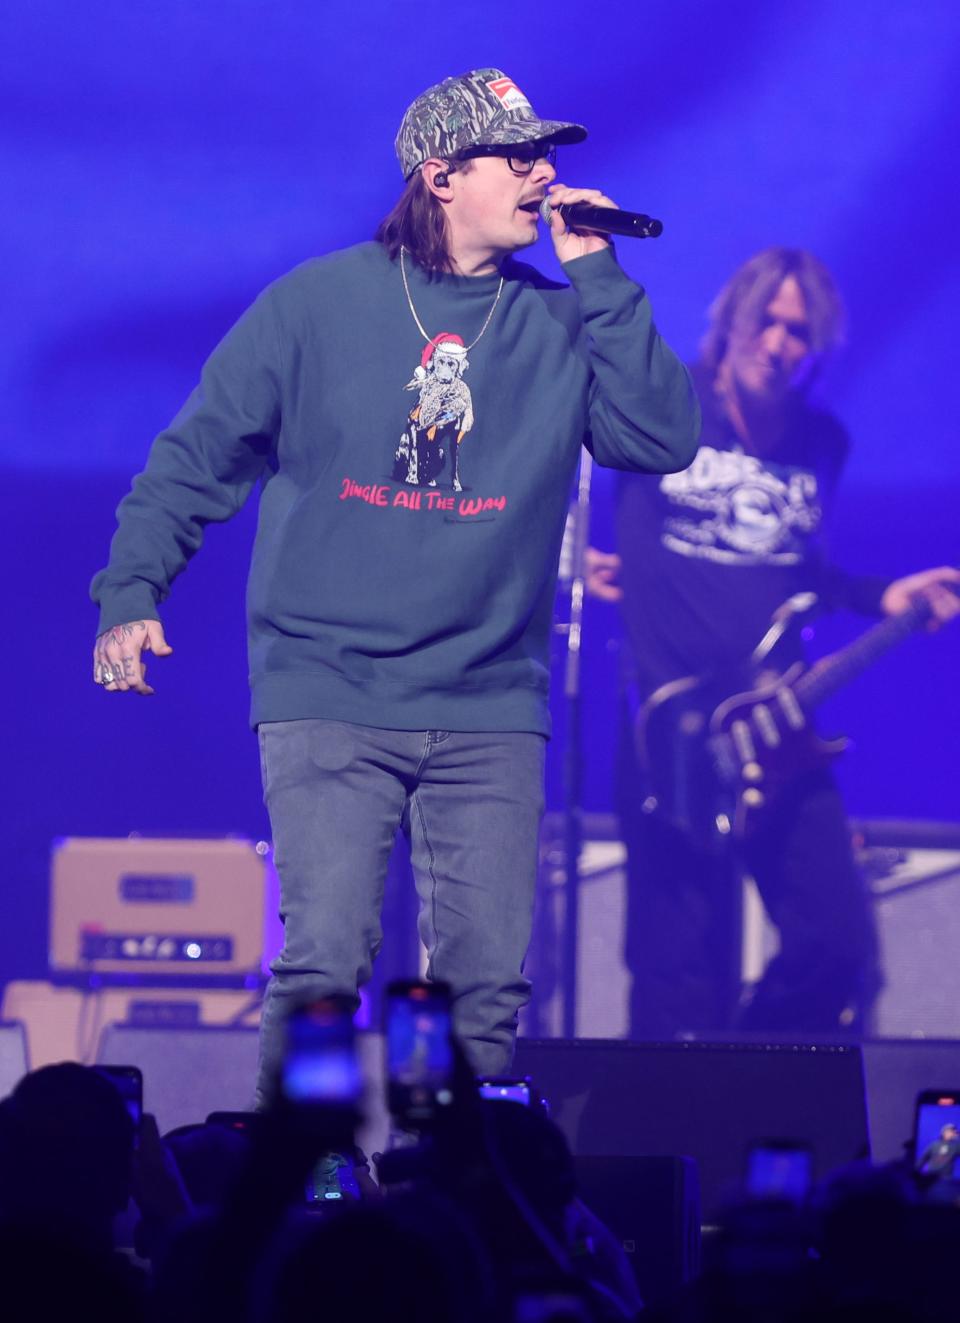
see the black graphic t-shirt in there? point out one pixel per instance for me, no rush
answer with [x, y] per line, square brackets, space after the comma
[710, 553]
[414, 474]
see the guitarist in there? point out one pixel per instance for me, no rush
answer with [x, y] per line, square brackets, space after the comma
[707, 556]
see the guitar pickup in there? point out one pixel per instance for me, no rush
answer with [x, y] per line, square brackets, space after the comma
[743, 742]
[790, 708]
[766, 725]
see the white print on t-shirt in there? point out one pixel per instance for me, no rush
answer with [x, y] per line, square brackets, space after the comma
[732, 508]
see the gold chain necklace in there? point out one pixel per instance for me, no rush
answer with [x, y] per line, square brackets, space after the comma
[429, 338]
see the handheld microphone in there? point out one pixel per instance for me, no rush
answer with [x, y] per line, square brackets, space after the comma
[608, 220]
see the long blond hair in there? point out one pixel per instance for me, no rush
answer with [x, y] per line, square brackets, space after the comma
[747, 293]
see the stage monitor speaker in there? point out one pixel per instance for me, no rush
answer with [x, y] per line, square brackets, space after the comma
[652, 1206]
[135, 906]
[13, 1055]
[707, 1101]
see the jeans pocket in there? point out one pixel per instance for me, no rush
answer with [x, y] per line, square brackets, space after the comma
[307, 750]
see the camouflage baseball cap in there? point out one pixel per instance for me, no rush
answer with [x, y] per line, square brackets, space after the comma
[483, 107]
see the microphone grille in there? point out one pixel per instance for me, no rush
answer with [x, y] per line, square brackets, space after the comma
[546, 211]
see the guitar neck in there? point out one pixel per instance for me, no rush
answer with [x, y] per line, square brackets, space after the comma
[833, 672]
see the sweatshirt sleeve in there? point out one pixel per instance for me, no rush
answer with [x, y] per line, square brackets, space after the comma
[644, 412]
[200, 470]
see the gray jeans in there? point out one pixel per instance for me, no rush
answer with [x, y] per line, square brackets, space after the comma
[471, 804]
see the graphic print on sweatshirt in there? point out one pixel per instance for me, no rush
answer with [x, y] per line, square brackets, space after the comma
[426, 463]
[429, 449]
[731, 508]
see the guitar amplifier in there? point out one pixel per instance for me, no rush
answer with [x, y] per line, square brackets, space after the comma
[141, 907]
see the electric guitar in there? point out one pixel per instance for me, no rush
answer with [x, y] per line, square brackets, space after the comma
[716, 760]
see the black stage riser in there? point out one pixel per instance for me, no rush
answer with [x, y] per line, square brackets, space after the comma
[611, 1098]
[711, 1100]
[707, 1101]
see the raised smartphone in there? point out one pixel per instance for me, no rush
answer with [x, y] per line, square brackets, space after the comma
[419, 1048]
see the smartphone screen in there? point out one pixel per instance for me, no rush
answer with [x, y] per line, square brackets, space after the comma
[128, 1082]
[320, 1065]
[936, 1134]
[779, 1169]
[332, 1180]
[505, 1090]
[419, 1050]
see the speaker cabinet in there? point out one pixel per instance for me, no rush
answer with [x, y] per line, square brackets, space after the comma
[65, 1023]
[13, 1055]
[913, 873]
[603, 980]
[189, 1073]
[915, 880]
[896, 1070]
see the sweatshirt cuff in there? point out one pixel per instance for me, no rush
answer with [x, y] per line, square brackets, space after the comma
[601, 282]
[122, 606]
[594, 266]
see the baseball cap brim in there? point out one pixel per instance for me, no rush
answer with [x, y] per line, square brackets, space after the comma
[532, 130]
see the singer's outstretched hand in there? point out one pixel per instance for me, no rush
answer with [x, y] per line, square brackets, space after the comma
[575, 243]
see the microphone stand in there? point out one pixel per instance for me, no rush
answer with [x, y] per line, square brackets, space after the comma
[573, 749]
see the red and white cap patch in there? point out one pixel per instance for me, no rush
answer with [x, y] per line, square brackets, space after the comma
[509, 95]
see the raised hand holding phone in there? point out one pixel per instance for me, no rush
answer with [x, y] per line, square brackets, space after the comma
[420, 1056]
[321, 1083]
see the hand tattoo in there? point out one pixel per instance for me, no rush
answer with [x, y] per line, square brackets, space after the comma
[118, 633]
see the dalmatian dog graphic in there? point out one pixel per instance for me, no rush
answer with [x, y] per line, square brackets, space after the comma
[441, 417]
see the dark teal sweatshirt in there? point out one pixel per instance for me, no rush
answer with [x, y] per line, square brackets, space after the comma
[412, 497]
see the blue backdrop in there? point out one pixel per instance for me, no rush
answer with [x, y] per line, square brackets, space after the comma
[162, 162]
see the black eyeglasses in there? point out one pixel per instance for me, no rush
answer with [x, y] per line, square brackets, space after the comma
[521, 157]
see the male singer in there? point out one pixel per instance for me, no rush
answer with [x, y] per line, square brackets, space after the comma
[412, 411]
